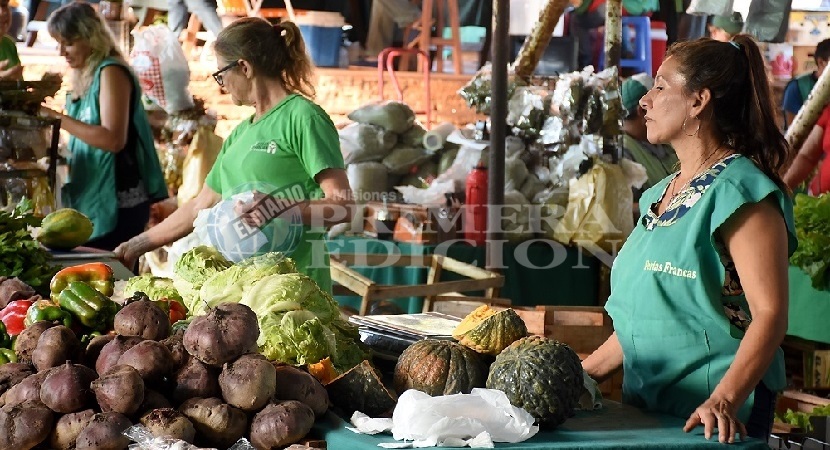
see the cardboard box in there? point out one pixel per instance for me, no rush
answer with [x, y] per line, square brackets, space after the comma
[412, 223]
[817, 368]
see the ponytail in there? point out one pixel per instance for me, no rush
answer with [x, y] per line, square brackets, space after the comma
[274, 50]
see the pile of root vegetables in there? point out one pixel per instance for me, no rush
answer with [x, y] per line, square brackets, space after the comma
[205, 385]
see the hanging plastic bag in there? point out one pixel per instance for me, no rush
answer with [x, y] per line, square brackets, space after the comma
[204, 148]
[599, 209]
[162, 69]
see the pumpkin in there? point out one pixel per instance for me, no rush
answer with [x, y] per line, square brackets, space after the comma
[489, 331]
[541, 375]
[439, 367]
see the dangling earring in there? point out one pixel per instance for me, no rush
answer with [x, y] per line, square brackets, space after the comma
[684, 127]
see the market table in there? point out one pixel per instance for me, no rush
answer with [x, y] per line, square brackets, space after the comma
[535, 274]
[616, 426]
[809, 309]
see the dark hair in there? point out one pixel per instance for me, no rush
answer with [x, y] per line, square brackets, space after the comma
[822, 50]
[742, 106]
[273, 50]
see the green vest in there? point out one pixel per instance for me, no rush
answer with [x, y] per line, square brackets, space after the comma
[91, 188]
[677, 323]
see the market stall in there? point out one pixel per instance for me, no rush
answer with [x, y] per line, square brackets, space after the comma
[614, 426]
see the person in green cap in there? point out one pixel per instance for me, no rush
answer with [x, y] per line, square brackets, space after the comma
[724, 28]
[659, 160]
[699, 289]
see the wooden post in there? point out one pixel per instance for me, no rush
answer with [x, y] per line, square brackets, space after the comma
[498, 132]
[535, 44]
[613, 33]
[807, 116]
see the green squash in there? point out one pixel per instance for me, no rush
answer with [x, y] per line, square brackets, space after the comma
[541, 375]
[489, 331]
[439, 367]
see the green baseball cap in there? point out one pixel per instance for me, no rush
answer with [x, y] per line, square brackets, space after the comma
[731, 24]
[633, 89]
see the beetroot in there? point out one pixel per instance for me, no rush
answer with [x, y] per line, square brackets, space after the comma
[66, 389]
[169, 422]
[24, 426]
[142, 318]
[227, 332]
[120, 390]
[295, 384]
[248, 383]
[104, 432]
[68, 428]
[281, 424]
[195, 379]
[112, 351]
[150, 358]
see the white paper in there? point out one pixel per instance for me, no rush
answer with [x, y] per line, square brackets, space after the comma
[364, 424]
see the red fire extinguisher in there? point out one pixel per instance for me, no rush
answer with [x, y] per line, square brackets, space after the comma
[475, 211]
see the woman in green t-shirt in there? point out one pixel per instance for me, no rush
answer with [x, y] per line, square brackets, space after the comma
[279, 178]
[699, 290]
[114, 171]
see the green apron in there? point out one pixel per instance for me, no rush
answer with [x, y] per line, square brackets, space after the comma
[678, 312]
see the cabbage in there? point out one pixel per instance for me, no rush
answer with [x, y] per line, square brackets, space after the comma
[295, 337]
[155, 287]
[229, 285]
[192, 270]
[286, 292]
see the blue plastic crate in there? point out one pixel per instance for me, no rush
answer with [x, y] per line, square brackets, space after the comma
[323, 44]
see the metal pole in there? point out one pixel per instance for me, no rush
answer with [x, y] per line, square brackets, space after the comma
[498, 132]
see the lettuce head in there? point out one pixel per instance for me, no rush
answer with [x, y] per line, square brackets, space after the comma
[229, 285]
[155, 287]
[295, 337]
[292, 291]
[200, 263]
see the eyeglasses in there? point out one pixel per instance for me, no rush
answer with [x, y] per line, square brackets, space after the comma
[218, 74]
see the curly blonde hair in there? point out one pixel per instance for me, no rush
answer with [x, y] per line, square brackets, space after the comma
[78, 21]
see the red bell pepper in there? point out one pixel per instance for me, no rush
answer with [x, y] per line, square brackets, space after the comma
[14, 314]
[97, 275]
[175, 310]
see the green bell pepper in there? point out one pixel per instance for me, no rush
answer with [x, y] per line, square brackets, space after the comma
[49, 311]
[92, 308]
[7, 356]
[5, 339]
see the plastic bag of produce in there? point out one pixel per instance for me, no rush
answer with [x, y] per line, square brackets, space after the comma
[599, 209]
[391, 116]
[362, 142]
[204, 148]
[515, 173]
[414, 137]
[527, 110]
[515, 220]
[368, 180]
[162, 68]
[531, 186]
[402, 159]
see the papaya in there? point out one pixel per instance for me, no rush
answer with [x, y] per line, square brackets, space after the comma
[65, 229]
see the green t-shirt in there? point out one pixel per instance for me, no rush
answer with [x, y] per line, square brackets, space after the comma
[91, 188]
[279, 154]
[8, 52]
[676, 301]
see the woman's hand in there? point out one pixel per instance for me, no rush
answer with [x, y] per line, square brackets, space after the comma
[12, 73]
[717, 413]
[129, 252]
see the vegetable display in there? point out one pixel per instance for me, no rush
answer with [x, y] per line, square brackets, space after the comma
[92, 308]
[20, 255]
[812, 228]
[13, 316]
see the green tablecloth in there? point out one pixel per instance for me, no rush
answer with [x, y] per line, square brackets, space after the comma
[809, 309]
[616, 426]
[573, 281]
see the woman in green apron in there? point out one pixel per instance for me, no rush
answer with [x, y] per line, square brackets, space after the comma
[699, 290]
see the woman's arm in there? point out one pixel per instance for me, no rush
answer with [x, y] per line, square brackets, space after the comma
[806, 159]
[605, 361]
[111, 135]
[174, 227]
[10, 73]
[338, 204]
[756, 238]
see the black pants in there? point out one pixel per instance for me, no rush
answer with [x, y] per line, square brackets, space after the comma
[131, 222]
[760, 420]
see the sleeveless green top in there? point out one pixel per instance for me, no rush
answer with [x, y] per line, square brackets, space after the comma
[91, 188]
[677, 304]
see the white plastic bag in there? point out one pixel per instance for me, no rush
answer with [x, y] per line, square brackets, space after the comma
[162, 69]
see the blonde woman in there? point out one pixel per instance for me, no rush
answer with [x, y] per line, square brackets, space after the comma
[114, 173]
